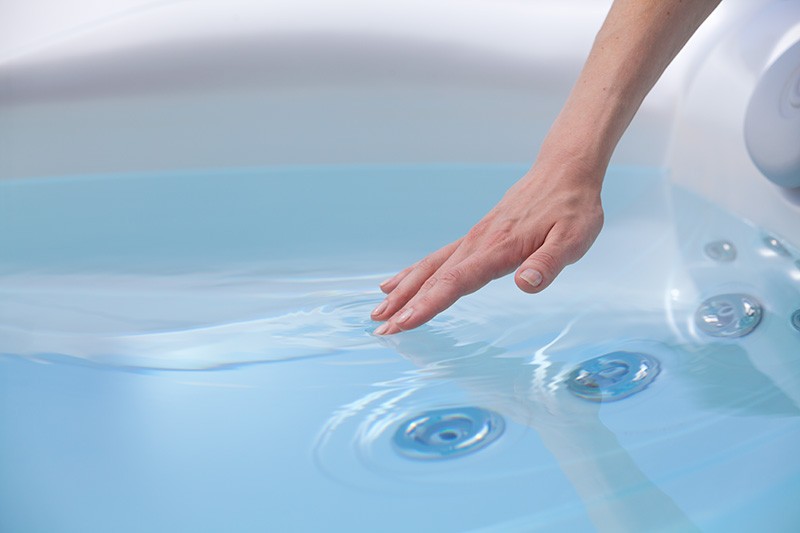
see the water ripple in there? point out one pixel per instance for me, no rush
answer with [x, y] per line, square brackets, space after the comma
[191, 322]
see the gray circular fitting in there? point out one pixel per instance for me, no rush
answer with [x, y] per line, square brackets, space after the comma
[448, 433]
[796, 320]
[613, 376]
[721, 251]
[728, 315]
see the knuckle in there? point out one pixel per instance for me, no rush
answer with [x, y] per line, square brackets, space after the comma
[494, 233]
[548, 261]
[402, 292]
[429, 283]
[480, 227]
[478, 231]
[499, 238]
[599, 216]
[572, 237]
[576, 239]
[425, 264]
[425, 302]
[452, 277]
[472, 237]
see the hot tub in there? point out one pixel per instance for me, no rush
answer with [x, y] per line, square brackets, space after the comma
[198, 201]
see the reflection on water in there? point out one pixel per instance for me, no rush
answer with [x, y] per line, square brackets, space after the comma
[616, 494]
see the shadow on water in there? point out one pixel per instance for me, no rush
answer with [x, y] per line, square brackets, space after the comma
[724, 379]
[531, 391]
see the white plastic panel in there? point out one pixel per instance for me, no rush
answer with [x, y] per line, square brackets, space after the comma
[708, 153]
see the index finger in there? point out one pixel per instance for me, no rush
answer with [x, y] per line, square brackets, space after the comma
[443, 289]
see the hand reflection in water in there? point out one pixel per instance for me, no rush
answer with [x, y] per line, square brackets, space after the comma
[616, 494]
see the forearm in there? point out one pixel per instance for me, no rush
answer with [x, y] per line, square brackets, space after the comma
[636, 43]
[553, 214]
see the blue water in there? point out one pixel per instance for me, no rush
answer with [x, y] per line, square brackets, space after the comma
[193, 352]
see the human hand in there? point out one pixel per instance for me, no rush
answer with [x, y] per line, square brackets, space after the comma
[547, 220]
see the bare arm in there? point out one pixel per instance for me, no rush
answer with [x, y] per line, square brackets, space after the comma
[552, 215]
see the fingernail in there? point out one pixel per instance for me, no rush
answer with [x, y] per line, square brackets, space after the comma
[381, 329]
[405, 315]
[386, 281]
[381, 308]
[533, 277]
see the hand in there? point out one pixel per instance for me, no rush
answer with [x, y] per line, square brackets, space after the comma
[552, 216]
[547, 220]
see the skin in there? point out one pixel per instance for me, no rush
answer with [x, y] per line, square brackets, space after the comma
[553, 214]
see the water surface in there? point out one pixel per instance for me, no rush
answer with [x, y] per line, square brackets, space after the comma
[194, 352]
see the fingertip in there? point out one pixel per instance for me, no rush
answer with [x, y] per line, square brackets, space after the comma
[410, 319]
[530, 280]
[539, 270]
[531, 276]
[387, 285]
[378, 311]
[388, 329]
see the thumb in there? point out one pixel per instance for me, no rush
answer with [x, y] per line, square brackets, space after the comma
[542, 267]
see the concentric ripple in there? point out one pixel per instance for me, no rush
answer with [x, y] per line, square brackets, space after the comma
[188, 322]
[448, 433]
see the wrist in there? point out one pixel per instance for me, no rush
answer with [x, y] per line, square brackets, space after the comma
[574, 159]
[588, 128]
